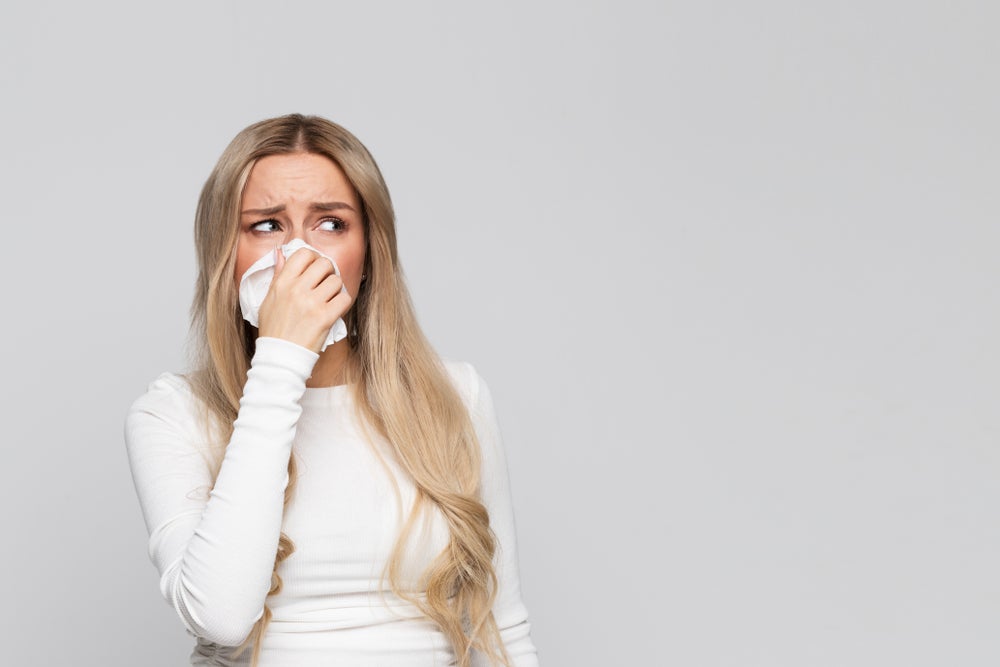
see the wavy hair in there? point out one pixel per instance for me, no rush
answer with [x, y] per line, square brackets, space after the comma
[400, 388]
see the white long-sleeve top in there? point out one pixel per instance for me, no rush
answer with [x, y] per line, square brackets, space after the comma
[214, 547]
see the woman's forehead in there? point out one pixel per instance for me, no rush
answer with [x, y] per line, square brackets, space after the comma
[299, 179]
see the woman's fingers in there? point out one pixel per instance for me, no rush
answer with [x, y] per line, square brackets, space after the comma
[339, 305]
[305, 263]
[304, 300]
[317, 271]
[294, 264]
[330, 286]
[279, 260]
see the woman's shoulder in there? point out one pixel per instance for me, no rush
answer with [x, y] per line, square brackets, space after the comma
[169, 403]
[473, 389]
[465, 378]
[168, 390]
[479, 401]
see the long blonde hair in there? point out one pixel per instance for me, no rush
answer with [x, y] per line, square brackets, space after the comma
[401, 390]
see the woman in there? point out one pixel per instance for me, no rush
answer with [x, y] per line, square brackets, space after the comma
[320, 503]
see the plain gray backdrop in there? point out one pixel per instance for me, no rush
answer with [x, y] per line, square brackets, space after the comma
[729, 268]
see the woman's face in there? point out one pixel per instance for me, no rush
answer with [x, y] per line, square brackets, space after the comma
[305, 196]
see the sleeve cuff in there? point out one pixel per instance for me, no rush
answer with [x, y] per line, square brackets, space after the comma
[284, 353]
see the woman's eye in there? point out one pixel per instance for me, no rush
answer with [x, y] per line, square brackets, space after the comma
[332, 224]
[265, 226]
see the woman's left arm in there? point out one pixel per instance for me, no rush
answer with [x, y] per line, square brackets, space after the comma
[509, 611]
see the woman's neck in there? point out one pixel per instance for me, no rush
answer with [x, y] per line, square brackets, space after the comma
[330, 367]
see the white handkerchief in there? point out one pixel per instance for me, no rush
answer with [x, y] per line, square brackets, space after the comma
[257, 280]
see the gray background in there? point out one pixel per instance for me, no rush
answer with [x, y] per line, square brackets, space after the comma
[728, 267]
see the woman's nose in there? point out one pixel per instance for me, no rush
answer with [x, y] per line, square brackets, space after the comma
[294, 233]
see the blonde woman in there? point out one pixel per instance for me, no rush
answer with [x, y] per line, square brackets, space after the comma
[311, 503]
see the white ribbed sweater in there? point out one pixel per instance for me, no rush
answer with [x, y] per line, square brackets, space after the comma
[215, 549]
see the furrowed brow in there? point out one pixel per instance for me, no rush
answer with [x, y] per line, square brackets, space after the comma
[264, 211]
[331, 206]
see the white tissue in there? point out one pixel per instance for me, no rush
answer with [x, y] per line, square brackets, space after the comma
[257, 280]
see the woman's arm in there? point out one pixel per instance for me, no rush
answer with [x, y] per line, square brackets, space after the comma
[509, 611]
[215, 549]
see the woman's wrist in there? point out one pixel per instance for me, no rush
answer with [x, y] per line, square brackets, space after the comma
[285, 353]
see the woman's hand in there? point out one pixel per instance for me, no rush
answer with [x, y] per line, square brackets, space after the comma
[304, 300]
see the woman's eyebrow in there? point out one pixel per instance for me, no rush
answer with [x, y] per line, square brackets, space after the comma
[331, 206]
[264, 211]
[317, 206]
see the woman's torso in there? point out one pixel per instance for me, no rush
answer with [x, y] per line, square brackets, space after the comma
[343, 518]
